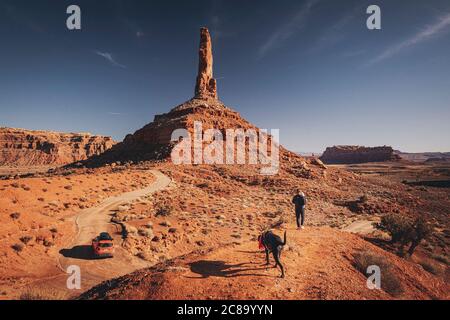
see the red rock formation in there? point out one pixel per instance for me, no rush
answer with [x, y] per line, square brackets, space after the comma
[20, 147]
[357, 154]
[153, 141]
[206, 85]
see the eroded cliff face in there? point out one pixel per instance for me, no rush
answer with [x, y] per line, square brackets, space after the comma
[19, 147]
[358, 154]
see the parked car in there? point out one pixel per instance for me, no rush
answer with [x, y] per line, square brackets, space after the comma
[103, 246]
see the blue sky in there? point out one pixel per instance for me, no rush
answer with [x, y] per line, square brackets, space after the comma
[310, 68]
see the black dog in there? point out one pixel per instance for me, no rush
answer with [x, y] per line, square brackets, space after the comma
[273, 243]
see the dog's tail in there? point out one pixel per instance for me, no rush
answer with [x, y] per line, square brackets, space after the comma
[284, 243]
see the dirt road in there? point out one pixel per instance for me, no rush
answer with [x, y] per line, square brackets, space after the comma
[90, 223]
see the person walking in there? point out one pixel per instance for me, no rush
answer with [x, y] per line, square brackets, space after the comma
[299, 200]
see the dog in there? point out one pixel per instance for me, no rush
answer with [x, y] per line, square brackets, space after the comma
[272, 243]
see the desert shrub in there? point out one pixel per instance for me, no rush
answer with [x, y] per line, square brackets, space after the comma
[164, 211]
[254, 181]
[396, 225]
[54, 230]
[41, 294]
[421, 230]
[404, 230]
[26, 239]
[364, 198]
[68, 187]
[15, 185]
[389, 281]
[15, 215]
[203, 185]
[146, 233]
[48, 243]
[17, 247]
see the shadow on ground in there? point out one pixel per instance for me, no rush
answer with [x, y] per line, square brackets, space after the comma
[83, 252]
[222, 269]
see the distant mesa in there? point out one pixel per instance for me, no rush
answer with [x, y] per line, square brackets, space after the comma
[20, 147]
[428, 157]
[438, 160]
[358, 154]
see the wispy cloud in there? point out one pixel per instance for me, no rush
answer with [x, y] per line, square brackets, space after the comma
[114, 113]
[336, 32]
[439, 26]
[108, 56]
[286, 30]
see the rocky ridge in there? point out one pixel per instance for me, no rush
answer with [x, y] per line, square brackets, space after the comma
[19, 147]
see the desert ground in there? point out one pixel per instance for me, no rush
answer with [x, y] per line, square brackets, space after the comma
[189, 231]
[178, 225]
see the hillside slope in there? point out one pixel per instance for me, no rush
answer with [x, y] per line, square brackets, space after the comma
[319, 264]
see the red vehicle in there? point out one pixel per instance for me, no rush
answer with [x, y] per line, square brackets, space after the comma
[103, 246]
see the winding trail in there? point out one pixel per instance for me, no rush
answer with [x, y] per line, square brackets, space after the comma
[90, 223]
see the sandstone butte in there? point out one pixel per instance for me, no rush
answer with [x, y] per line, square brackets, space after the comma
[153, 141]
[19, 147]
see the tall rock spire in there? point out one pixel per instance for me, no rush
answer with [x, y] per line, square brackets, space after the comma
[206, 86]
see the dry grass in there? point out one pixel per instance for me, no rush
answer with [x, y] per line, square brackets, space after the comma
[431, 267]
[389, 281]
[441, 258]
[41, 294]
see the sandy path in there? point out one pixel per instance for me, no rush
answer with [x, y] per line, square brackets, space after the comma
[90, 223]
[362, 227]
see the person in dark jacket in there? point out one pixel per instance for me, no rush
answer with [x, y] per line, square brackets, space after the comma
[299, 200]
